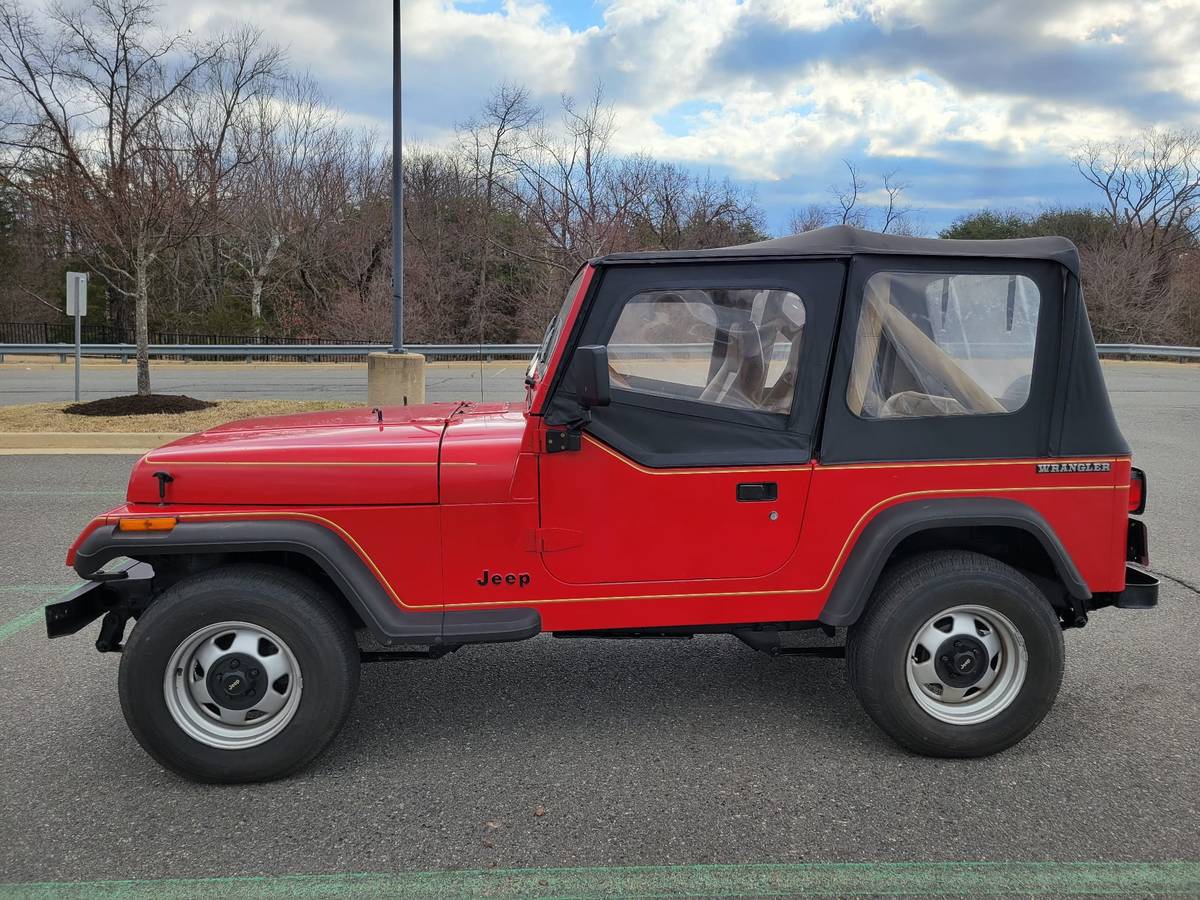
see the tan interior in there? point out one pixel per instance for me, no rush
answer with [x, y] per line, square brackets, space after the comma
[880, 316]
[866, 345]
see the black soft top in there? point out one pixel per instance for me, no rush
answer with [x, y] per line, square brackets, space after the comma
[842, 240]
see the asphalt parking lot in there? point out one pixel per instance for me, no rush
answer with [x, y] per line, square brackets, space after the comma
[582, 754]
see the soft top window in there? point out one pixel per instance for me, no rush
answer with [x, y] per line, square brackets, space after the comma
[733, 348]
[943, 344]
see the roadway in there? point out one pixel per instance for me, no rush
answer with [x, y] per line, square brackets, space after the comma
[633, 753]
[41, 381]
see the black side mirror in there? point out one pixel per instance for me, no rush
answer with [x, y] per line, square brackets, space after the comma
[589, 375]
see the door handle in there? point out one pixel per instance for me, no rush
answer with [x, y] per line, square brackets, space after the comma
[757, 492]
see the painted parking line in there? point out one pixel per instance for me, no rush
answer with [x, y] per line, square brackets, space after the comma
[62, 493]
[1181, 878]
[36, 588]
[23, 621]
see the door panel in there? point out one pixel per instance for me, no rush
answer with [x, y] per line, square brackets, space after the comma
[636, 524]
[718, 372]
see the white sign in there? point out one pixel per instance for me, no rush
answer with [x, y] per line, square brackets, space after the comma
[77, 293]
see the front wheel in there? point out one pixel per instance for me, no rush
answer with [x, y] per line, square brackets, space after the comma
[242, 673]
[958, 655]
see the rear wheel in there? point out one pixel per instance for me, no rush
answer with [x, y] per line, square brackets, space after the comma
[243, 673]
[957, 655]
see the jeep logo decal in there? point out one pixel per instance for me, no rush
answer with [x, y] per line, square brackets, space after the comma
[1066, 468]
[520, 580]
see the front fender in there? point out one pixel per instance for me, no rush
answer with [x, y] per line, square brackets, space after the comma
[383, 613]
[874, 546]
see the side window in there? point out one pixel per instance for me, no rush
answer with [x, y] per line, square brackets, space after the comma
[732, 348]
[931, 344]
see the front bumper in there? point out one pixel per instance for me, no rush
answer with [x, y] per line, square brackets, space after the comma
[116, 594]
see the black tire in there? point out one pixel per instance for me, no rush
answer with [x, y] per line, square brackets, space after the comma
[286, 604]
[909, 595]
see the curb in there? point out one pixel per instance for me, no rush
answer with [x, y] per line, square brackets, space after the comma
[19, 442]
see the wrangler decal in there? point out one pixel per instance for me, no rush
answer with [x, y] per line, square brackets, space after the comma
[1068, 468]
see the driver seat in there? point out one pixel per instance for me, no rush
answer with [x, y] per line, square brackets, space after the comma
[739, 380]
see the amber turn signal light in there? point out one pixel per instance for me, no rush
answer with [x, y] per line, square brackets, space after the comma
[162, 523]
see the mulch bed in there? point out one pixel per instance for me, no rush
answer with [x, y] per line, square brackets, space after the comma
[138, 405]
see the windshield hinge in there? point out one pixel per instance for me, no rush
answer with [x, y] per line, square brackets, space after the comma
[560, 441]
[568, 438]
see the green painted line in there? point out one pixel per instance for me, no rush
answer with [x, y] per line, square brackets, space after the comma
[23, 621]
[771, 880]
[12, 626]
[62, 493]
[38, 588]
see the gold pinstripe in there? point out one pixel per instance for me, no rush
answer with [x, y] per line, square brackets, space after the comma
[366, 557]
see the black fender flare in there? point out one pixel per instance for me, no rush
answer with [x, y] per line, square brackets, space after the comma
[884, 533]
[388, 621]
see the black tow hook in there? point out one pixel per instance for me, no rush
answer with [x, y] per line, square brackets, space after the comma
[112, 631]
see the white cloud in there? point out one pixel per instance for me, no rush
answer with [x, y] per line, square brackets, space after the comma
[889, 79]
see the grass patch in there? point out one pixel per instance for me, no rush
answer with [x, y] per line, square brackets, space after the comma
[35, 417]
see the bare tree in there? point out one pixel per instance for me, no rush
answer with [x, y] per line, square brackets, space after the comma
[895, 214]
[1149, 184]
[100, 115]
[1150, 194]
[291, 182]
[846, 197]
[673, 209]
[809, 218]
[492, 143]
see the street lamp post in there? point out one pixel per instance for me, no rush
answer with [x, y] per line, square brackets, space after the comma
[397, 192]
[396, 377]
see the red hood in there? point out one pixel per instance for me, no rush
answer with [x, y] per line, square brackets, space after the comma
[340, 457]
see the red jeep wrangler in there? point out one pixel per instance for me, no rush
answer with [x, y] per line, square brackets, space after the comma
[906, 439]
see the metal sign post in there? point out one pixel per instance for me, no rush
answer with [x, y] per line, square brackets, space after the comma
[77, 307]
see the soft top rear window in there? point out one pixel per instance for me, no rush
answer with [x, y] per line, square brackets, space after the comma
[943, 344]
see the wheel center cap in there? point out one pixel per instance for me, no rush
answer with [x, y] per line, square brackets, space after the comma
[961, 661]
[236, 681]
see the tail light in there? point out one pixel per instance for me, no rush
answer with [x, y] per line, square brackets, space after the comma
[1137, 491]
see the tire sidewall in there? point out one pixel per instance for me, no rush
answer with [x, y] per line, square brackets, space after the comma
[915, 603]
[327, 682]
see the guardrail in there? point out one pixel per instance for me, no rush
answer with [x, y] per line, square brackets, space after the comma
[270, 351]
[430, 351]
[1149, 351]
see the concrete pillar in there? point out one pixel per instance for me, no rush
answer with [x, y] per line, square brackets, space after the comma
[395, 379]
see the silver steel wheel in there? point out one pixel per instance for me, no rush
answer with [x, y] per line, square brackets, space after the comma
[232, 685]
[966, 664]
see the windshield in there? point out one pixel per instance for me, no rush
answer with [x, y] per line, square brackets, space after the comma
[537, 365]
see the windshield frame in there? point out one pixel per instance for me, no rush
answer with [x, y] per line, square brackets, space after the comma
[549, 354]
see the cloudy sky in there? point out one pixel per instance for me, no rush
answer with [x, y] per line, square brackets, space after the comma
[975, 102]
